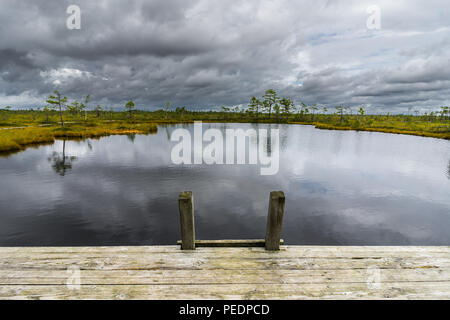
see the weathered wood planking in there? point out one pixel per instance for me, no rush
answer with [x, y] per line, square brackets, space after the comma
[166, 272]
[274, 220]
[186, 207]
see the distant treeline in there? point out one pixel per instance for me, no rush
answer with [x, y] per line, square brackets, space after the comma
[270, 108]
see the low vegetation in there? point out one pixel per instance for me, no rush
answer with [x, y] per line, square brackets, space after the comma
[13, 140]
[59, 119]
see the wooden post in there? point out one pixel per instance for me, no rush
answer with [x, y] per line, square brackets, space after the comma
[186, 207]
[274, 220]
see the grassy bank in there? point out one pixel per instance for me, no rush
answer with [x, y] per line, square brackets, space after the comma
[395, 125]
[432, 134]
[13, 140]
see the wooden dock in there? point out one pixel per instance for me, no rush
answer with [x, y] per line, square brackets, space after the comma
[166, 272]
[225, 269]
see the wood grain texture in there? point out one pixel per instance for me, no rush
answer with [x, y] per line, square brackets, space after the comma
[166, 272]
[274, 220]
[186, 208]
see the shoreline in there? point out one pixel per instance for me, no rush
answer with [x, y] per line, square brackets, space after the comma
[445, 136]
[20, 138]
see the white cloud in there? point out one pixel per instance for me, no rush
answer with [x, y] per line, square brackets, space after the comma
[64, 75]
[26, 98]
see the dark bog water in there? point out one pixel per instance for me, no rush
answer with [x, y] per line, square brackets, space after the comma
[341, 187]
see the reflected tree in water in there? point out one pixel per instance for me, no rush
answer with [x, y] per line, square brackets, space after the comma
[131, 137]
[167, 133]
[448, 169]
[89, 144]
[60, 162]
[269, 143]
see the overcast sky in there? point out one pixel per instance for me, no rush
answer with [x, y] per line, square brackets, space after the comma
[210, 53]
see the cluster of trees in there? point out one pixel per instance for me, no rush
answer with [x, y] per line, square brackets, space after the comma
[444, 113]
[271, 104]
[58, 102]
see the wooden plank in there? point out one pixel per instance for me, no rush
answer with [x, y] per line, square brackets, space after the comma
[194, 262]
[230, 243]
[165, 272]
[220, 276]
[186, 207]
[426, 290]
[274, 220]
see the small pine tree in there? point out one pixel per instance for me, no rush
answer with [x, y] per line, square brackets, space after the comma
[270, 99]
[130, 106]
[57, 100]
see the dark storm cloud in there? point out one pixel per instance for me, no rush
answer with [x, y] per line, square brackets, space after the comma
[11, 57]
[204, 54]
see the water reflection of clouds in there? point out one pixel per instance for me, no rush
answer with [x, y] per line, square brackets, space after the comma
[313, 187]
[341, 188]
[383, 164]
